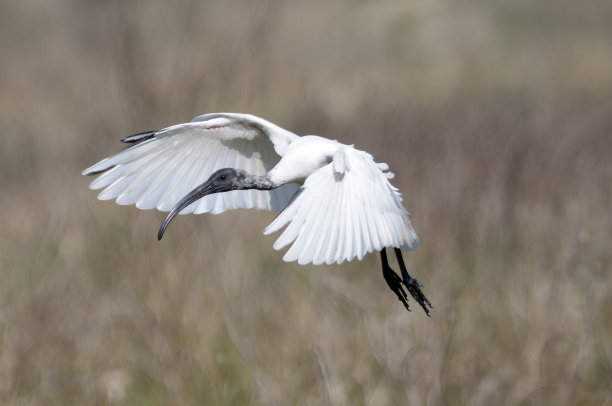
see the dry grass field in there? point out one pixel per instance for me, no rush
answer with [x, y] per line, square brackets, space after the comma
[495, 116]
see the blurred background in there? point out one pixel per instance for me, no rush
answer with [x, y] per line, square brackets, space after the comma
[495, 116]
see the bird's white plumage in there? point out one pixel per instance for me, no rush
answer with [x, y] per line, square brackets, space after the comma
[345, 209]
[158, 172]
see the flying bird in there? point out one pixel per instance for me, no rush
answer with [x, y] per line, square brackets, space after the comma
[335, 202]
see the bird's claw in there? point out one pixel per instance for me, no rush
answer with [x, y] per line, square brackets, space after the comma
[410, 284]
[414, 288]
[395, 284]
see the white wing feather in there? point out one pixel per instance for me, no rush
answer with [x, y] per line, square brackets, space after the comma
[158, 172]
[345, 209]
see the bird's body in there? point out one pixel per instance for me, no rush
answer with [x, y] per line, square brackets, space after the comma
[303, 157]
[335, 201]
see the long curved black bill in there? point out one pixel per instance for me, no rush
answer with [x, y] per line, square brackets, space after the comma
[204, 189]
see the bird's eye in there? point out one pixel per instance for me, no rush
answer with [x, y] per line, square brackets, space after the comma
[222, 177]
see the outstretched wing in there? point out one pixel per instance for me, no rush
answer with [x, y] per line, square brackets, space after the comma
[165, 165]
[345, 209]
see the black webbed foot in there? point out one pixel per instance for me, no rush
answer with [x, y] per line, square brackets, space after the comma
[413, 286]
[395, 282]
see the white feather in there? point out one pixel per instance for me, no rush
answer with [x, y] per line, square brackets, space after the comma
[345, 209]
[159, 171]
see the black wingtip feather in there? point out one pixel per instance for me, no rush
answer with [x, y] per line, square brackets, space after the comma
[131, 139]
[85, 173]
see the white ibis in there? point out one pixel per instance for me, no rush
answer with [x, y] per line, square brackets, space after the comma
[337, 203]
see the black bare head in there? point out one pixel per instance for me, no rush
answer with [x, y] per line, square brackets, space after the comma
[223, 180]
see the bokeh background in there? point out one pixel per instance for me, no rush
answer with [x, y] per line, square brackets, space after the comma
[496, 117]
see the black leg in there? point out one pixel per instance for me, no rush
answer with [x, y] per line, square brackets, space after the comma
[413, 286]
[393, 279]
